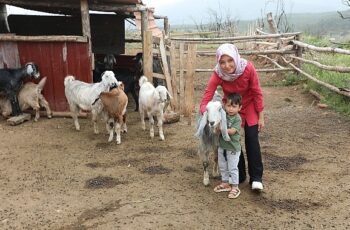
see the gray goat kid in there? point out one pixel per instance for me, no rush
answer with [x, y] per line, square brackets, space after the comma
[208, 132]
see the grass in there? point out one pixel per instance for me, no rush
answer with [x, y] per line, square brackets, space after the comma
[336, 101]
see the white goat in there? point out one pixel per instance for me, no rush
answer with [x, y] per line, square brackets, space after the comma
[29, 96]
[82, 95]
[152, 101]
[208, 131]
[115, 103]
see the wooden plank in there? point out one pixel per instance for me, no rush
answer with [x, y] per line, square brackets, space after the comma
[85, 21]
[19, 119]
[189, 84]
[181, 78]
[51, 38]
[148, 55]
[174, 81]
[166, 72]
[159, 75]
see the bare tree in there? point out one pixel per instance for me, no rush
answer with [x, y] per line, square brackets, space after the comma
[347, 3]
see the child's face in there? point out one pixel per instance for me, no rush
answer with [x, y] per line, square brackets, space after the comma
[227, 64]
[232, 109]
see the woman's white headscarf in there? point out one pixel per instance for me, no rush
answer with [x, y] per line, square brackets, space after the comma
[230, 50]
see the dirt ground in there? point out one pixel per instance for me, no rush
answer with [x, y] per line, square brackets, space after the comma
[53, 177]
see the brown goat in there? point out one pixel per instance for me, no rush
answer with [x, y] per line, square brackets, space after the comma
[29, 96]
[114, 103]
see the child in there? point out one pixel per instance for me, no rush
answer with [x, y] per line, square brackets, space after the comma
[230, 151]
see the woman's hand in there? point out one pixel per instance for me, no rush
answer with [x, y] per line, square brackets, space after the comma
[261, 122]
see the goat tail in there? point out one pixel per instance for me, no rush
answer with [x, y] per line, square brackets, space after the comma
[142, 80]
[41, 84]
[68, 79]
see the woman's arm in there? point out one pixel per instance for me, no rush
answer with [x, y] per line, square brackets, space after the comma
[261, 122]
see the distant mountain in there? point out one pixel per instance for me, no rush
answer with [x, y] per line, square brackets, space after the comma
[318, 24]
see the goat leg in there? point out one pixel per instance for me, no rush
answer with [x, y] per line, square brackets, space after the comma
[142, 115]
[15, 105]
[118, 131]
[94, 121]
[45, 104]
[110, 125]
[124, 127]
[151, 123]
[160, 126]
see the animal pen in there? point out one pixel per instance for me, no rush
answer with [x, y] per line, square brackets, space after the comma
[70, 42]
[277, 53]
[84, 37]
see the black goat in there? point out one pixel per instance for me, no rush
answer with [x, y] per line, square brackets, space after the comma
[156, 66]
[11, 81]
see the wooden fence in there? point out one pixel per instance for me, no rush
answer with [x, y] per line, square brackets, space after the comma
[279, 52]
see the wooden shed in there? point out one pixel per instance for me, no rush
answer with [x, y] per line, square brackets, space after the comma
[65, 43]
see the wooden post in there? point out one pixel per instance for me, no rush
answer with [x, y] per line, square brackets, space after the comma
[147, 55]
[144, 22]
[272, 24]
[173, 75]
[189, 81]
[166, 72]
[4, 27]
[85, 22]
[299, 50]
[181, 77]
[166, 26]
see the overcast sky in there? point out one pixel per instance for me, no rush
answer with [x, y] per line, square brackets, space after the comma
[184, 11]
[188, 11]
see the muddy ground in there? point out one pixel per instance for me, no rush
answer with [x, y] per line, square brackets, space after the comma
[53, 177]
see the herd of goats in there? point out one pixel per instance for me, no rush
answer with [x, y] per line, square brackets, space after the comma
[106, 98]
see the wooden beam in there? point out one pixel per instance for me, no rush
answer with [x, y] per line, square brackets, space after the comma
[70, 6]
[340, 69]
[254, 37]
[174, 81]
[189, 85]
[63, 38]
[85, 21]
[321, 49]
[181, 77]
[148, 55]
[169, 83]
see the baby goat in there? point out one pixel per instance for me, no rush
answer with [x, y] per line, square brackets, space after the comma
[115, 102]
[152, 101]
[213, 120]
[81, 95]
[29, 96]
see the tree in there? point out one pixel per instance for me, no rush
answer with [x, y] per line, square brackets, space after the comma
[347, 3]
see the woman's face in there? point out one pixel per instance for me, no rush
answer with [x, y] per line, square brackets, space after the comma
[227, 64]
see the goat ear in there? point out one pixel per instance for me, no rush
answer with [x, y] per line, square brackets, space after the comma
[202, 122]
[224, 132]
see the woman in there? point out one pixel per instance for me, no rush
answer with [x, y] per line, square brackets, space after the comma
[236, 75]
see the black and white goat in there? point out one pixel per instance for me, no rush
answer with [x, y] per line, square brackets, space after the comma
[208, 131]
[11, 81]
[82, 95]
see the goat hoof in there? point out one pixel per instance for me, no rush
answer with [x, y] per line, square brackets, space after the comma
[206, 182]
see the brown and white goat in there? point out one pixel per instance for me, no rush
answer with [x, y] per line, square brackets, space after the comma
[29, 96]
[114, 103]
